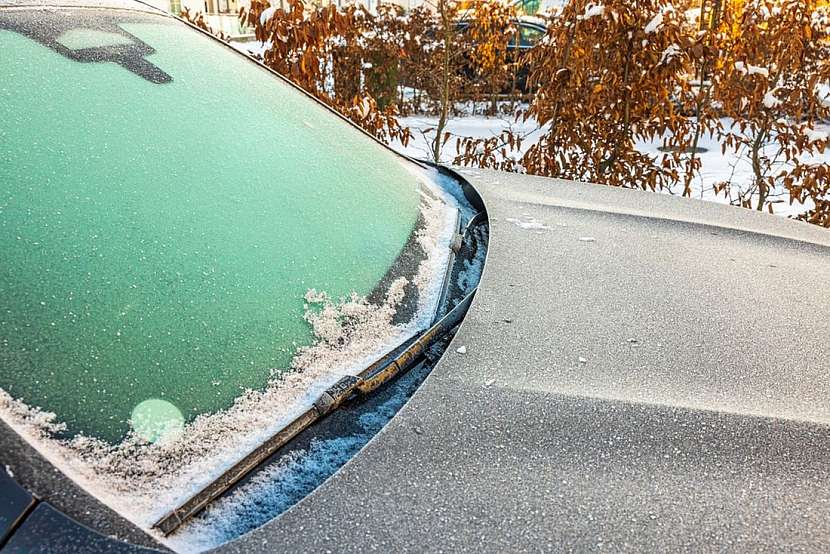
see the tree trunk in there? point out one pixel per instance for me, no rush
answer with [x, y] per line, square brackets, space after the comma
[607, 165]
[760, 183]
[443, 113]
[703, 93]
[554, 118]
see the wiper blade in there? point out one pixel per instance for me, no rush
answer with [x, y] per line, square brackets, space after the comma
[367, 381]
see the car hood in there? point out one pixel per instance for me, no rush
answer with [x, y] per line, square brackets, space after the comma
[637, 372]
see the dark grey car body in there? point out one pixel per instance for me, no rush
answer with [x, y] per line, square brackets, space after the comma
[698, 420]
[639, 373]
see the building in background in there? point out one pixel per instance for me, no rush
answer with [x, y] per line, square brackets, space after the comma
[221, 15]
[222, 10]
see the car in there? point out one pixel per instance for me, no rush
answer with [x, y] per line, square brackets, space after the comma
[530, 30]
[605, 369]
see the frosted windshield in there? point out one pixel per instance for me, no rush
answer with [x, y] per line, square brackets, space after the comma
[166, 207]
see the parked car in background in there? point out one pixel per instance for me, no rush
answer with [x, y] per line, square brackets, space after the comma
[530, 31]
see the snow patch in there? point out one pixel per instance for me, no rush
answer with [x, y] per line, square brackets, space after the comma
[592, 10]
[823, 94]
[266, 14]
[527, 223]
[748, 69]
[757, 70]
[669, 54]
[813, 135]
[655, 23]
[771, 101]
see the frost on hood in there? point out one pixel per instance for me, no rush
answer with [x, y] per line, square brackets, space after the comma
[527, 222]
[143, 480]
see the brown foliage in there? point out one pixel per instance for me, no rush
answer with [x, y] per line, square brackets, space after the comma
[744, 72]
[607, 75]
[323, 51]
[198, 20]
[490, 31]
[500, 152]
[419, 63]
[766, 84]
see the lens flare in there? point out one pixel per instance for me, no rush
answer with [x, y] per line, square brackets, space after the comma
[157, 420]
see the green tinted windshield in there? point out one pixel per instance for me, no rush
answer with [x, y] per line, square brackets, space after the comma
[165, 206]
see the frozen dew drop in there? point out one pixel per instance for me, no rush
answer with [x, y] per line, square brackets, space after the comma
[155, 420]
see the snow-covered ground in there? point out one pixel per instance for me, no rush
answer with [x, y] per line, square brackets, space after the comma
[716, 167]
[422, 129]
